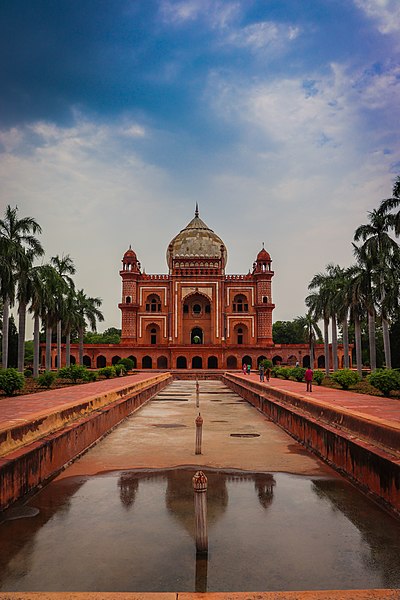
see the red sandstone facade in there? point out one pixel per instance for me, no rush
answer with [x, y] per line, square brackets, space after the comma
[197, 316]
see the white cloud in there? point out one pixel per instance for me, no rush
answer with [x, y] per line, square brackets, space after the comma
[261, 35]
[218, 14]
[386, 13]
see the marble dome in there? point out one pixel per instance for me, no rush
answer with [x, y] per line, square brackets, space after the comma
[196, 240]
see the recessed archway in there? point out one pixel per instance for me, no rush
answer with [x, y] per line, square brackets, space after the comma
[212, 362]
[133, 359]
[87, 361]
[115, 360]
[101, 361]
[260, 358]
[277, 360]
[197, 362]
[246, 360]
[231, 362]
[147, 362]
[321, 362]
[162, 362]
[181, 362]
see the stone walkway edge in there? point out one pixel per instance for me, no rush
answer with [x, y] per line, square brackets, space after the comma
[383, 594]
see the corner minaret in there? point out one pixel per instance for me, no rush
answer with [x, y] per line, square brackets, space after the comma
[263, 274]
[130, 274]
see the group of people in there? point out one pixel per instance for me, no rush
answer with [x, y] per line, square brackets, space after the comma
[265, 374]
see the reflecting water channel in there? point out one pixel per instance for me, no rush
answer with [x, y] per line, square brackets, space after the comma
[133, 530]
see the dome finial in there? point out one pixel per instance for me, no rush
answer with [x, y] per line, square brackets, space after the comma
[196, 212]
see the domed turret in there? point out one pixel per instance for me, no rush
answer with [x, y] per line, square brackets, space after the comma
[196, 241]
[130, 261]
[263, 261]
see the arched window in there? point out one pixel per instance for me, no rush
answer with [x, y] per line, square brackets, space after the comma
[181, 362]
[153, 303]
[153, 336]
[240, 303]
[128, 299]
[265, 299]
[196, 309]
[240, 335]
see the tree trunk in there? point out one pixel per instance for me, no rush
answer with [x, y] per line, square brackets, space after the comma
[326, 345]
[345, 328]
[48, 347]
[334, 344]
[6, 312]
[36, 346]
[357, 335]
[372, 339]
[21, 335]
[59, 363]
[386, 343]
[81, 346]
[68, 349]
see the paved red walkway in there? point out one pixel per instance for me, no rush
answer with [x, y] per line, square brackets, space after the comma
[13, 410]
[387, 409]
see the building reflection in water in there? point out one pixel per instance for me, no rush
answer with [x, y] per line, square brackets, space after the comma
[179, 500]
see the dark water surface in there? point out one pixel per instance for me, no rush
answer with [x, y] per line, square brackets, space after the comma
[134, 531]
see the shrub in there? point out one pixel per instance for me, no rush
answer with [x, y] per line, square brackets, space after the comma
[46, 379]
[73, 372]
[267, 364]
[107, 372]
[128, 363]
[285, 372]
[345, 378]
[274, 371]
[120, 369]
[91, 376]
[28, 373]
[385, 380]
[318, 377]
[298, 373]
[11, 380]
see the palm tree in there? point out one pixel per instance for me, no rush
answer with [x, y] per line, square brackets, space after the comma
[87, 310]
[390, 204]
[53, 288]
[17, 236]
[380, 251]
[25, 276]
[323, 306]
[64, 266]
[356, 296]
[311, 331]
[40, 299]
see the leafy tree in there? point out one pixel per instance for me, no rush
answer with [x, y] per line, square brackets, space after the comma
[311, 332]
[287, 332]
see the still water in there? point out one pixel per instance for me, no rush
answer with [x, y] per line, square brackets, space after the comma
[134, 531]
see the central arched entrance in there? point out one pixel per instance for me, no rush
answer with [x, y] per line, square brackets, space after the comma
[196, 336]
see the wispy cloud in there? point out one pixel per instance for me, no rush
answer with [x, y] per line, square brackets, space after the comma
[386, 13]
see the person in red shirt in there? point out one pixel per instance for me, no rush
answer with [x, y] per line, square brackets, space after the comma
[308, 377]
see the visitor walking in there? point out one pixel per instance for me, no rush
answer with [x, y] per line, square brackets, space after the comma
[261, 371]
[308, 377]
[267, 373]
[248, 369]
[244, 368]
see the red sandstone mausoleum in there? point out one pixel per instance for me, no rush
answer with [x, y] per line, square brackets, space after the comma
[197, 316]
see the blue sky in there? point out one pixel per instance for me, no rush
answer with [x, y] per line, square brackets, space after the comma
[281, 118]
